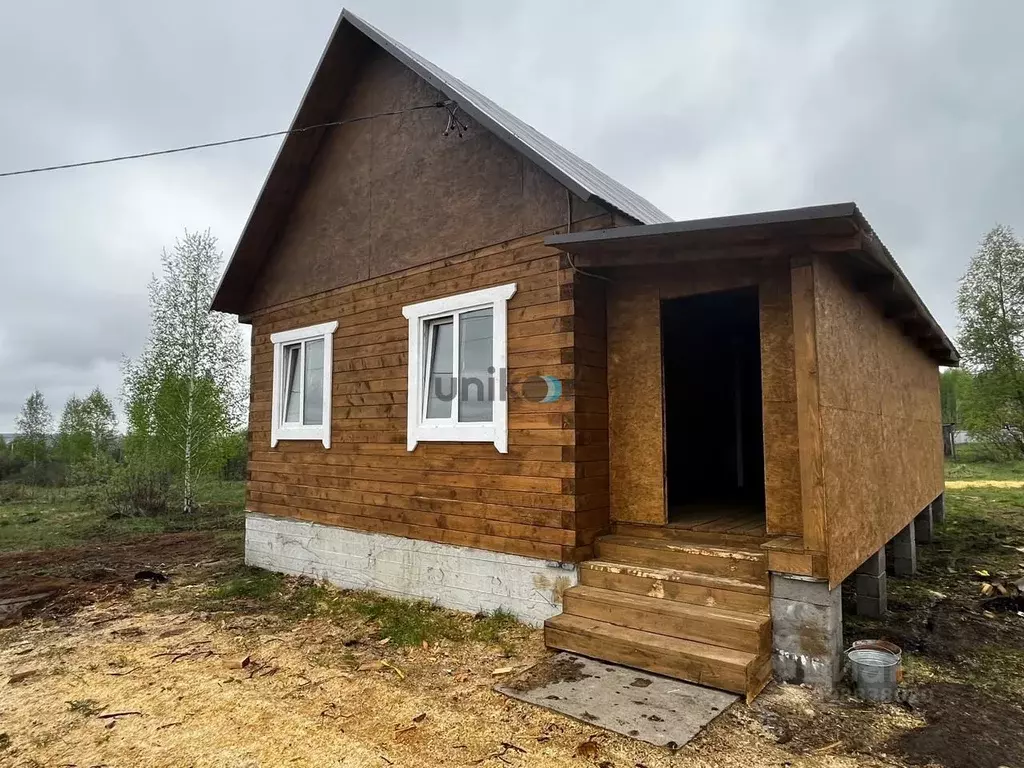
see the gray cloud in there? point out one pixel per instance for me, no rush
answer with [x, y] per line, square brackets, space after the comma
[910, 109]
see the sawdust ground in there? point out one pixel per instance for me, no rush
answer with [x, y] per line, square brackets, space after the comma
[251, 690]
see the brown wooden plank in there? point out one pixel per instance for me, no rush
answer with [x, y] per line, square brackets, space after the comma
[702, 624]
[680, 586]
[681, 659]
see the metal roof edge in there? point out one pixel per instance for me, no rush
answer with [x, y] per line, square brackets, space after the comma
[873, 245]
[807, 213]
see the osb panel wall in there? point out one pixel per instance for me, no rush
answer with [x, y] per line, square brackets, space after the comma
[389, 193]
[880, 422]
[528, 502]
[635, 414]
[636, 433]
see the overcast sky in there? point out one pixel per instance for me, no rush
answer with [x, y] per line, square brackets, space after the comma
[911, 109]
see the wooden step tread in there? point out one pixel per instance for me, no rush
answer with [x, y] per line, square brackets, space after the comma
[699, 663]
[669, 608]
[728, 583]
[690, 548]
[733, 562]
[748, 632]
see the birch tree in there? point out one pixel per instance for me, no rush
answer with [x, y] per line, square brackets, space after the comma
[990, 301]
[34, 424]
[187, 390]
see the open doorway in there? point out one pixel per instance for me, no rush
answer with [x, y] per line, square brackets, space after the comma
[711, 349]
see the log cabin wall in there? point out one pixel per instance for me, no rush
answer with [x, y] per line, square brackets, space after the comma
[881, 437]
[546, 498]
[394, 213]
[636, 461]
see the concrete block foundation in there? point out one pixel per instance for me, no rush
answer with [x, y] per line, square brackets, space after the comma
[923, 526]
[904, 551]
[939, 510]
[807, 631]
[872, 587]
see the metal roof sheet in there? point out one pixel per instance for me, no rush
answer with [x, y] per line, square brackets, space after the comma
[576, 174]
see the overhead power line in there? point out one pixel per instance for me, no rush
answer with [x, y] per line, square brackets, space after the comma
[448, 105]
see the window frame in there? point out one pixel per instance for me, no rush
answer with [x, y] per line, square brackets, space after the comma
[419, 427]
[279, 428]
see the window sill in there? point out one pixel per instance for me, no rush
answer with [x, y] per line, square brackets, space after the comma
[301, 433]
[467, 433]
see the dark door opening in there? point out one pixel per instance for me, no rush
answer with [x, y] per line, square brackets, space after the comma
[711, 349]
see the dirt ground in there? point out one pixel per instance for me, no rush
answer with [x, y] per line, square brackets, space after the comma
[110, 665]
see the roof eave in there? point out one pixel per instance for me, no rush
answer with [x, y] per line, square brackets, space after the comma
[945, 353]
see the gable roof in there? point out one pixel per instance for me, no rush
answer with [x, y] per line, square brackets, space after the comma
[349, 42]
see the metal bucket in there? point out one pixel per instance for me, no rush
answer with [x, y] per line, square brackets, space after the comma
[876, 671]
[883, 645]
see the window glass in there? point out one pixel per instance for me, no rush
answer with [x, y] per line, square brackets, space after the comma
[440, 382]
[313, 383]
[292, 382]
[476, 355]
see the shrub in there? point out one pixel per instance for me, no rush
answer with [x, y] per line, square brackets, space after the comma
[138, 492]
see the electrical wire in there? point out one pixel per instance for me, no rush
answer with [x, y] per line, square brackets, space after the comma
[448, 105]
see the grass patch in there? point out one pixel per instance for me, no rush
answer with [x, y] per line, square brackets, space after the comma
[403, 622]
[408, 622]
[49, 518]
[250, 584]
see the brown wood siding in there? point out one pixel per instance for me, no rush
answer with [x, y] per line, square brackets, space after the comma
[590, 356]
[543, 499]
[390, 193]
[880, 422]
[635, 384]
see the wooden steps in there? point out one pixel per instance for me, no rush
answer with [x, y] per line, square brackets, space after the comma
[683, 659]
[696, 609]
[714, 626]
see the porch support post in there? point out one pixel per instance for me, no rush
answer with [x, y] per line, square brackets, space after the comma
[939, 510]
[872, 588]
[923, 526]
[904, 551]
[807, 631]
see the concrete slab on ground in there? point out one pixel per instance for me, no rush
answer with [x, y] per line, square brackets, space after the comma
[652, 708]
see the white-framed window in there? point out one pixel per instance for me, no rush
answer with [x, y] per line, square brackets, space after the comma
[301, 401]
[458, 353]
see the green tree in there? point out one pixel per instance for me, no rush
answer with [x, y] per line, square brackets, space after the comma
[187, 390]
[953, 384]
[86, 436]
[34, 424]
[990, 301]
[73, 443]
[101, 423]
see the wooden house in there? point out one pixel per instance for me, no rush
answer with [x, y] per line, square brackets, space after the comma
[486, 374]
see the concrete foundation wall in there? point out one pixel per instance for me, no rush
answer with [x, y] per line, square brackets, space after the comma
[454, 577]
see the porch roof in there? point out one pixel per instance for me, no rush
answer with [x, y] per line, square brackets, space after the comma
[838, 229]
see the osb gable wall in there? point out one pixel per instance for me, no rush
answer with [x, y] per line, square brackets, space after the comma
[529, 502]
[635, 396]
[880, 422]
[392, 192]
